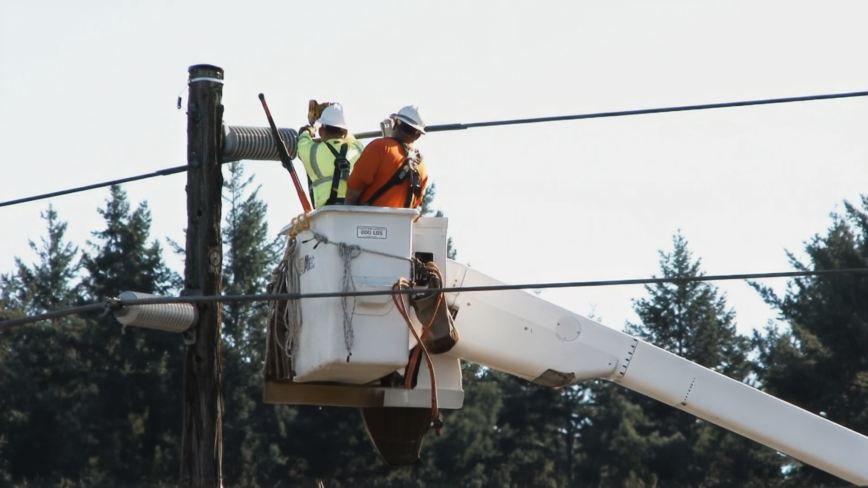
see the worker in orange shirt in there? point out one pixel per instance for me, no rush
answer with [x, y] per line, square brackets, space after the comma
[390, 172]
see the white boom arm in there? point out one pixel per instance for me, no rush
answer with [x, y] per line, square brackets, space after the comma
[520, 334]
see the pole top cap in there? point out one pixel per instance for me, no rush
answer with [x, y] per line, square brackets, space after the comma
[209, 70]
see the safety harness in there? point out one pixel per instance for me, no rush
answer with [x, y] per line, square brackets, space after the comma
[341, 173]
[408, 170]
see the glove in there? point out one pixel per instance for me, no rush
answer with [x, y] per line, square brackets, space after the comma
[308, 129]
[386, 127]
[314, 110]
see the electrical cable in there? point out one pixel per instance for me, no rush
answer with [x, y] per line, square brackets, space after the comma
[115, 304]
[162, 172]
[52, 315]
[684, 108]
[460, 126]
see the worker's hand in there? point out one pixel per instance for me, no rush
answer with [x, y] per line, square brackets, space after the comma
[314, 110]
[308, 129]
[312, 115]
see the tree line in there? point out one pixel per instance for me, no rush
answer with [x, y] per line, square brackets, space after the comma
[85, 401]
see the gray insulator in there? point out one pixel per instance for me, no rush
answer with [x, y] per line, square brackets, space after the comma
[174, 317]
[256, 143]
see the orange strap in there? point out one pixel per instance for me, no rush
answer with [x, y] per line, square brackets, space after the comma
[403, 284]
[433, 269]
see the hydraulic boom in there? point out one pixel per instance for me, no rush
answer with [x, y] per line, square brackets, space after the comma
[521, 334]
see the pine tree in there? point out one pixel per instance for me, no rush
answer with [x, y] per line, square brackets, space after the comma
[616, 440]
[49, 284]
[137, 372]
[465, 453]
[671, 447]
[42, 435]
[529, 434]
[818, 361]
[122, 259]
[689, 318]
[254, 432]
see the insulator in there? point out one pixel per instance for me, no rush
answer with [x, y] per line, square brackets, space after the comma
[174, 317]
[257, 143]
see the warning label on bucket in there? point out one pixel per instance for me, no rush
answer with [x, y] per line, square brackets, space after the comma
[365, 232]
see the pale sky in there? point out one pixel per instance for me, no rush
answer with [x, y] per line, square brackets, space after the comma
[88, 93]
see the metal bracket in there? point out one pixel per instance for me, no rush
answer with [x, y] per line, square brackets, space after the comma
[189, 337]
[190, 334]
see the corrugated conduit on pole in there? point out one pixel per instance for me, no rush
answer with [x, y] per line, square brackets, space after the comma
[256, 143]
[172, 317]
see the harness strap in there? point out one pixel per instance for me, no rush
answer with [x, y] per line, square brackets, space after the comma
[408, 168]
[341, 173]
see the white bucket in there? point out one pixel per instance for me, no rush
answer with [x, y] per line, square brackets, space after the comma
[378, 336]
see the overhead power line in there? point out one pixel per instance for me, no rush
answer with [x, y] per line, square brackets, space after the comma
[684, 108]
[52, 315]
[461, 126]
[113, 304]
[162, 172]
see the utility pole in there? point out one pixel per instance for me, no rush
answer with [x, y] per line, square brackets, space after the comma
[202, 440]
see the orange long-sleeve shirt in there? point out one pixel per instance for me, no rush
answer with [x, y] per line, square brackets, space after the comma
[380, 160]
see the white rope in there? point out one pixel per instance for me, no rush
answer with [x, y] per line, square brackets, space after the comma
[284, 279]
[287, 280]
[348, 303]
[348, 253]
[321, 239]
[279, 360]
[292, 313]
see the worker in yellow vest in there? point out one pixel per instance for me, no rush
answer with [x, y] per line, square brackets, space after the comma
[329, 161]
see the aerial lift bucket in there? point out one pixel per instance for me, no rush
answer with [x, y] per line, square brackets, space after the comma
[345, 351]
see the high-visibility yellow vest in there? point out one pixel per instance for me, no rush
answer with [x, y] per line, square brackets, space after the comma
[319, 162]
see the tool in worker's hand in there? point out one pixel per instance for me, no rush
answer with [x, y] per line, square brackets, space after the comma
[314, 110]
[386, 127]
[284, 156]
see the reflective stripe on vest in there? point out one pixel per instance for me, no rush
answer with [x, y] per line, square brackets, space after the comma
[320, 184]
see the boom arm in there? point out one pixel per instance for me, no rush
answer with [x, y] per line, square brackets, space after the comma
[520, 334]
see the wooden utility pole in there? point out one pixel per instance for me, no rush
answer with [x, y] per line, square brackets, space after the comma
[202, 440]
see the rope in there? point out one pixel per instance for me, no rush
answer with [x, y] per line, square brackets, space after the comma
[292, 314]
[298, 225]
[280, 316]
[321, 239]
[348, 286]
[432, 268]
[400, 304]
[348, 253]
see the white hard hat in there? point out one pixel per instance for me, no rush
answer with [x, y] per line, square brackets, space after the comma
[410, 116]
[333, 115]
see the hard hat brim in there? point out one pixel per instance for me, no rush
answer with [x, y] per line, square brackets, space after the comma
[405, 120]
[339, 126]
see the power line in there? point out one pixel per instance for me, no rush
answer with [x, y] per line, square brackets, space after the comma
[683, 108]
[162, 172]
[52, 315]
[461, 126]
[599, 115]
[113, 304]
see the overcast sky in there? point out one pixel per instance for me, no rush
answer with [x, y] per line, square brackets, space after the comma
[88, 93]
